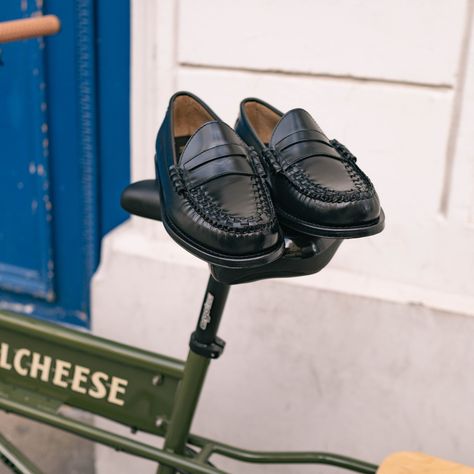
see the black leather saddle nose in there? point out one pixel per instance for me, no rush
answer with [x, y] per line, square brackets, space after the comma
[303, 255]
[142, 199]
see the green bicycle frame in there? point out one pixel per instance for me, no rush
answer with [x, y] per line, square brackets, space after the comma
[44, 366]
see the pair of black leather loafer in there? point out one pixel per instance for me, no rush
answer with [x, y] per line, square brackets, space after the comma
[226, 194]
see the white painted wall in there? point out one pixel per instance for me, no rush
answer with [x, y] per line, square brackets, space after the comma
[394, 81]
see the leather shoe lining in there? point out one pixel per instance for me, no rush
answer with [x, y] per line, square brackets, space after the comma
[263, 120]
[188, 116]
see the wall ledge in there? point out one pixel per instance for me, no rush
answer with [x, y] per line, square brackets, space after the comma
[136, 238]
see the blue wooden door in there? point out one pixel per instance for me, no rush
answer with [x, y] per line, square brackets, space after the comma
[64, 153]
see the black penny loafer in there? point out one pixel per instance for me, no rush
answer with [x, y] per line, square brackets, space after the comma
[316, 185]
[215, 201]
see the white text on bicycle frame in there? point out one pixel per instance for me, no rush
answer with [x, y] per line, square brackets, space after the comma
[64, 374]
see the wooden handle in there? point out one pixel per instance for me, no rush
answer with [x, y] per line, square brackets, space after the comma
[418, 463]
[29, 28]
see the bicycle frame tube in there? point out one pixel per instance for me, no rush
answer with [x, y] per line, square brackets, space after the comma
[122, 383]
[191, 466]
[185, 406]
[168, 388]
[204, 340]
[210, 447]
[98, 435]
[15, 459]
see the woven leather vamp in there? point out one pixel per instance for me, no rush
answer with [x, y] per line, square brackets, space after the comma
[291, 152]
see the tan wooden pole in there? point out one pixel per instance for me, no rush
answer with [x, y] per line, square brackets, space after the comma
[29, 28]
[418, 463]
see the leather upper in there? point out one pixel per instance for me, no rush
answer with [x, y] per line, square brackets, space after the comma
[211, 186]
[313, 179]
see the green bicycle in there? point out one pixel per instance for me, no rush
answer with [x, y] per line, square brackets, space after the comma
[44, 366]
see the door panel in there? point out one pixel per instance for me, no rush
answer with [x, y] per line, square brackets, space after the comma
[26, 266]
[61, 170]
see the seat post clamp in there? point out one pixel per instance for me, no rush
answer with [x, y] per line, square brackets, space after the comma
[210, 350]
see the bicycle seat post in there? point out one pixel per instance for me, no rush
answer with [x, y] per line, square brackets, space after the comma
[204, 346]
[204, 340]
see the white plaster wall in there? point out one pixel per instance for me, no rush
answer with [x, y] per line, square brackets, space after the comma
[303, 368]
[393, 80]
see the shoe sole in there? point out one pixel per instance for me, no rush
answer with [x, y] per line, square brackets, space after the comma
[215, 258]
[347, 232]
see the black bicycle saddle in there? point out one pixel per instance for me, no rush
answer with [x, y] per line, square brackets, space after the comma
[303, 255]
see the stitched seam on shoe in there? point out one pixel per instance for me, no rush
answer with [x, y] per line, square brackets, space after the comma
[304, 184]
[349, 158]
[207, 208]
[211, 212]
